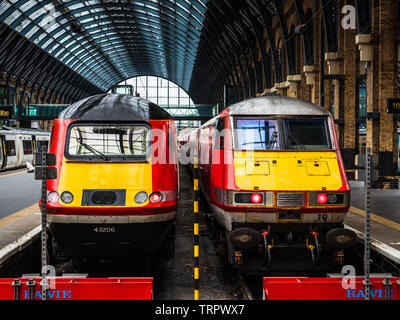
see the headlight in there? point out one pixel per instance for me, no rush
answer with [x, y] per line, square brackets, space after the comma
[53, 197]
[67, 197]
[141, 197]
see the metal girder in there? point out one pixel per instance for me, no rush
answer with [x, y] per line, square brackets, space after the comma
[329, 10]
[220, 58]
[266, 15]
[257, 30]
[290, 49]
[217, 28]
[253, 72]
[363, 9]
[238, 49]
[307, 35]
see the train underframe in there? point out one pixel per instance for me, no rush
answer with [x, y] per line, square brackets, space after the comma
[137, 242]
[283, 248]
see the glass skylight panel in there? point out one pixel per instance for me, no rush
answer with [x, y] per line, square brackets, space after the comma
[12, 17]
[4, 7]
[76, 6]
[23, 24]
[40, 12]
[27, 5]
[54, 47]
[48, 42]
[39, 38]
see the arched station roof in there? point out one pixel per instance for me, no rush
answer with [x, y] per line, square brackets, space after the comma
[115, 39]
[81, 48]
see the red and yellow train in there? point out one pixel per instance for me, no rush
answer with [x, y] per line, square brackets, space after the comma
[117, 186]
[272, 173]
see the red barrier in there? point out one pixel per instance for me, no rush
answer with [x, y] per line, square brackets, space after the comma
[303, 288]
[80, 289]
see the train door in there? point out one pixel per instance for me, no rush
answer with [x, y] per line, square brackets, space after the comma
[10, 144]
[27, 150]
[27, 144]
[19, 149]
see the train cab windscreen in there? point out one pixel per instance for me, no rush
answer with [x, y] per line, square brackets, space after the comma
[311, 134]
[282, 134]
[107, 142]
[257, 134]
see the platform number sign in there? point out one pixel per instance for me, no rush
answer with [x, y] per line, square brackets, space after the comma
[6, 112]
[393, 105]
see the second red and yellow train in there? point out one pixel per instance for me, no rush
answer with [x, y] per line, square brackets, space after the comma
[272, 173]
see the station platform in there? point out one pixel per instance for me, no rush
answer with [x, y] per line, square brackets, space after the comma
[385, 218]
[19, 212]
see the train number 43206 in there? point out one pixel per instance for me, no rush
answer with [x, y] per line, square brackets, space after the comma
[104, 229]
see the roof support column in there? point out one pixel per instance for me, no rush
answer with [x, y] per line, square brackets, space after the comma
[380, 49]
[351, 101]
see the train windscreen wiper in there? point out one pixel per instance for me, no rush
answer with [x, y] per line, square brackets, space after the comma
[296, 140]
[273, 139]
[93, 150]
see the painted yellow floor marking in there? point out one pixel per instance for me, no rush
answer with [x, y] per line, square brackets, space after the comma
[13, 173]
[376, 218]
[15, 216]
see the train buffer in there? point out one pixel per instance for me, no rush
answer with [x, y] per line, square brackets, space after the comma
[72, 287]
[382, 287]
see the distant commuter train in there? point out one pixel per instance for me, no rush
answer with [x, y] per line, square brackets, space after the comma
[17, 146]
[272, 172]
[116, 192]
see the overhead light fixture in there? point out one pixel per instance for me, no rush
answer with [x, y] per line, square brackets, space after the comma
[299, 29]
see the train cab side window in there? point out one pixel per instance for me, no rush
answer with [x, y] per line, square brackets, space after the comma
[27, 144]
[219, 134]
[10, 148]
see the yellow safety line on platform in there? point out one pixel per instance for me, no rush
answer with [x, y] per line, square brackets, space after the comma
[15, 216]
[12, 173]
[376, 218]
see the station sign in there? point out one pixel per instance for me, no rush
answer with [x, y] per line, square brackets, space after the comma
[393, 105]
[6, 112]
